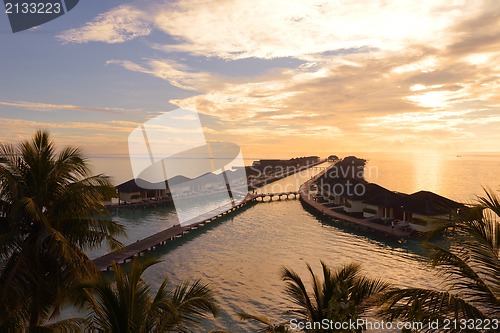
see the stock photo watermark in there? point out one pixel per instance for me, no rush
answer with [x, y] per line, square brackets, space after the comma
[27, 14]
[170, 153]
[362, 324]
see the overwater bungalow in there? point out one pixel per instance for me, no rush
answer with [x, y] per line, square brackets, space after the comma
[424, 210]
[131, 192]
[383, 203]
[208, 182]
[138, 190]
[374, 201]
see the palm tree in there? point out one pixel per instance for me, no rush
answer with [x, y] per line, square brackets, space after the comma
[472, 267]
[126, 305]
[342, 295]
[49, 203]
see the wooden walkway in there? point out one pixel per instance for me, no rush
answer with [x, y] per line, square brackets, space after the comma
[363, 223]
[161, 238]
[267, 181]
[281, 196]
[150, 243]
[141, 204]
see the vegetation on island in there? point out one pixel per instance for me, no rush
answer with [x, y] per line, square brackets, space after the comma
[49, 216]
[349, 168]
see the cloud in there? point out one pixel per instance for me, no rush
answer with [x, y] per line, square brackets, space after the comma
[479, 33]
[414, 119]
[118, 25]
[176, 74]
[294, 28]
[238, 29]
[113, 126]
[96, 137]
[48, 107]
[398, 101]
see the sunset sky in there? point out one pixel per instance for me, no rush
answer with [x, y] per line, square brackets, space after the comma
[278, 78]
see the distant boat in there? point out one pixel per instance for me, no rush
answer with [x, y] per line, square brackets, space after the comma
[459, 155]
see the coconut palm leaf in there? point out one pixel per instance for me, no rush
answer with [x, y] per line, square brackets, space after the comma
[50, 199]
[425, 306]
[298, 294]
[339, 295]
[472, 269]
[125, 304]
[192, 302]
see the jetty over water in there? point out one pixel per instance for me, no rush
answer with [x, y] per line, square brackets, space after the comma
[161, 238]
[279, 196]
[141, 204]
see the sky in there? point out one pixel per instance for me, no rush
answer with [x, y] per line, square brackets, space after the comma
[278, 78]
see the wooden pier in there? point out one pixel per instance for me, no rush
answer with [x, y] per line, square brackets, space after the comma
[280, 196]
[141, 204]
[267, 181]
[161, 238]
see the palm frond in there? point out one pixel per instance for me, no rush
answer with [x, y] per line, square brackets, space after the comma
[471, 266]
[194, 301]
[48, 198]
[298, 294]
[125, 304]
[490, 201]
[424, 305]
[71, 324]
[342, 294]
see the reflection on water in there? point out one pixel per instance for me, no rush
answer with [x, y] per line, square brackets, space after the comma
[427, 172]
[460, 178]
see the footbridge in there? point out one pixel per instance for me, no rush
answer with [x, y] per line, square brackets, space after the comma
[291, 195]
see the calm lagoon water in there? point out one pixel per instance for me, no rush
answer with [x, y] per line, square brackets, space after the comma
[241, 256]
[458, 177]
